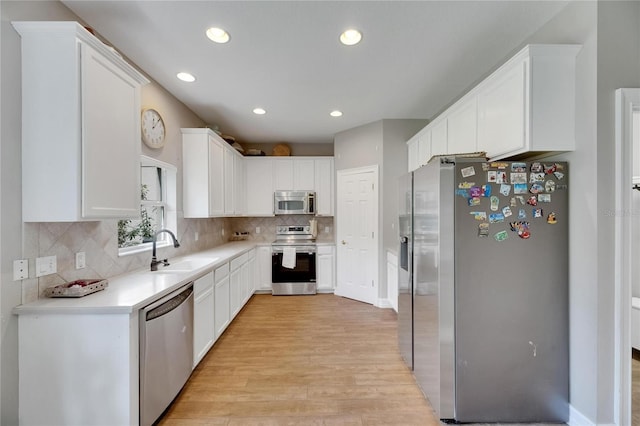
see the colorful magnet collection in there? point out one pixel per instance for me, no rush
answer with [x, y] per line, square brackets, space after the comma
[522, 186]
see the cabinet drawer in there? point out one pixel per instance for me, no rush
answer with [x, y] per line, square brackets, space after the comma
[221, 272]
[239, 261]
[203, 284]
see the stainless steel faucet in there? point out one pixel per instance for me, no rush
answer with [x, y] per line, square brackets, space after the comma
[154, 260]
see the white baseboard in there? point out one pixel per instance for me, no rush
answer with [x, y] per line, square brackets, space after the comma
[383, 303]
[576, 418]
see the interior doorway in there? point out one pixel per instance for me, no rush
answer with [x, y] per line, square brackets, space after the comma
[357, 234]
[627, 142]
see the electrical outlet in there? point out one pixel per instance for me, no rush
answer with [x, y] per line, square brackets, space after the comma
[223, 232]
[326, 229]
[196, 236]
[81, 260]
[20, 269]
[257, 229]
[46, 266]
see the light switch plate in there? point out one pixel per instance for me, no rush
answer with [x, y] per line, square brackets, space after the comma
[20, 269]
[46, 265]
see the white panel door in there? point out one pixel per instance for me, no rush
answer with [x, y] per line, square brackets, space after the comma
[357, 240]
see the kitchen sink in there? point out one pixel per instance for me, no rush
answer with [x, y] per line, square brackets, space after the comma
[187, 265]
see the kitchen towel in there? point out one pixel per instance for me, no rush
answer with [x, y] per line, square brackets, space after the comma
[289, 257]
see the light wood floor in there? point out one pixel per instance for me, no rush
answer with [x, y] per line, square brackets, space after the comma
[303, 360]
[635, 392]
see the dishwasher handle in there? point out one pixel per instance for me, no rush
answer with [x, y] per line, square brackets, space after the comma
[169, 305]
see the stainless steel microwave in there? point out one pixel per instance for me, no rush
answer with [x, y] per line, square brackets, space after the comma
[294, 202]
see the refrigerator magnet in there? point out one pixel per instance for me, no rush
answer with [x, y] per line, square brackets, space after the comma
[548, 169]
[558, 175]
[537, 213]
[496, 218]
[536, 177]
[520, 188]
[483, 230]
[551, 219]
[505, 189]
[549, 186]
[521, 200]
[486, 190]
[468, 171]
[544, 198]
[536, 168]
[475, 191]
[518, 167]
[533, 200]
[502, 177]
[473, 201]
[499, 165]
[462, 193]
[522, 214]
[506, 211]
[466, 185]
[495, 203]
[518, 178]
[501, 236]
[513, 202]
[482, 216]
[536, 188]
[492, 176]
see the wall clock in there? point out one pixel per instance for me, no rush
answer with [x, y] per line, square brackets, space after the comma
[153, 131]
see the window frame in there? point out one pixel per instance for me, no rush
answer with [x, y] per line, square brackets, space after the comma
[169, 187]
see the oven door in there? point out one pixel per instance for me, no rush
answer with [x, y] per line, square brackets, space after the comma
[301, 279]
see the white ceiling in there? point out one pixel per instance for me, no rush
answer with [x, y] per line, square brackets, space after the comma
[415, 58]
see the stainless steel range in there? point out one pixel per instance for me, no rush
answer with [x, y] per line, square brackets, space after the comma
[293, 261]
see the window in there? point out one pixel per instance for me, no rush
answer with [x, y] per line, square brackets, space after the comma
[157, 208]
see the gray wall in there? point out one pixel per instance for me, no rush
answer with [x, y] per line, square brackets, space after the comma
[381, 143]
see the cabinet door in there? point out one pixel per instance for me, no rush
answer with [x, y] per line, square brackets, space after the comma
[203, 324]
[412, 155]
[235, 289]
[324, 186]
[326, 260]
[283, 174]
[228, 182]
[252, 273]
[259, 182]
[221, 301]
[424, 148]
[462, 130]
[216, 178]
[110, 148]
[502, 111]
[304, 174]
[239, 188]
[439, 138]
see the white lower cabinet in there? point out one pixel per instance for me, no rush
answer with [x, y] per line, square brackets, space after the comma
[263, 268]
[325, 268]
[238, 283]
[221, 299]
[251, 275]
[203, 317]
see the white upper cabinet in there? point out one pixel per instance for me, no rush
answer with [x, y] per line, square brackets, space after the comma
[304, 174]
[413, 146]
[282, 174]
[259, 184]
[462, 127]
[324, 184]
[80, 126]
[526, 108]
[439, 138]
[209, 179]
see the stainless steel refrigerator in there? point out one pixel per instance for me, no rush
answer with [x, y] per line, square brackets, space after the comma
[483, 288]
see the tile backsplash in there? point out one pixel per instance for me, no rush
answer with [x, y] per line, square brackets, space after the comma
[99, 241]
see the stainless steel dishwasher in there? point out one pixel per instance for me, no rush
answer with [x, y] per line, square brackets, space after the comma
[166, 351]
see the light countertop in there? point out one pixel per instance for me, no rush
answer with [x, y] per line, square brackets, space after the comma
[129, 292]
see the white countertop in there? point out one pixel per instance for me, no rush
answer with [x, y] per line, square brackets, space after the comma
[134, 290]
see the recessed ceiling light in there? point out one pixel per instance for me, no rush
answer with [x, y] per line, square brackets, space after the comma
[185, 76]
[336, 113]
[218, 35]
[259, 111]
[350, 37]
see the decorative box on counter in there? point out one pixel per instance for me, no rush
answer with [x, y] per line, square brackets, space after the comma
[77, 288]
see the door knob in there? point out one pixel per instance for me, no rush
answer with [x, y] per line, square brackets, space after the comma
[343, 242]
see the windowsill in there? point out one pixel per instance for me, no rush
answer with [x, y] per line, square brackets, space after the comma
[141, 248]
